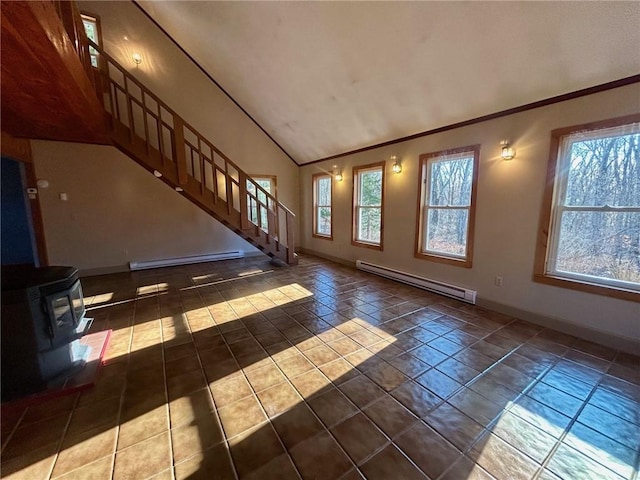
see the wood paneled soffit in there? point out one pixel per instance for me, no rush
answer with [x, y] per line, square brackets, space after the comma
[45, 91]
[15, 148]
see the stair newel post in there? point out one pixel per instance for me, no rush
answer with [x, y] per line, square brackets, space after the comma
[179, 155]
[291, 255]
[244, 207]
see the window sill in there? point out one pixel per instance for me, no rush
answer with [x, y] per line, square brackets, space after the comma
[463, 262]
[323, 237]
[373, 246]
[588, 287]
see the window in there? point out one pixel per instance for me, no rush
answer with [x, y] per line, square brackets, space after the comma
[257, 200]
[446, 211]
[592, 209]
[322, 198]
[368, 195]
[94, 33]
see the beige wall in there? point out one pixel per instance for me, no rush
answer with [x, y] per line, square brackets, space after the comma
[508, 209]
[182, 86]
[118, 212]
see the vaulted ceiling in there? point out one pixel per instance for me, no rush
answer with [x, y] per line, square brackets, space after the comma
[324, 78]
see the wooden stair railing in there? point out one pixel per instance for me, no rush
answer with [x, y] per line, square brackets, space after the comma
[154, 135]
[71, 18]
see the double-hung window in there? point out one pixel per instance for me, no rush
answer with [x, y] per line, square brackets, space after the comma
[592, 209]
[446, 210]
[92, 29]
[259, 204]
[322, 199]
[368, 196]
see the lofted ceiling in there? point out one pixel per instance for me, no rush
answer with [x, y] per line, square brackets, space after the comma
[324, 78]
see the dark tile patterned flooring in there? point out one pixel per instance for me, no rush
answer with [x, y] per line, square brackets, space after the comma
[240, 369]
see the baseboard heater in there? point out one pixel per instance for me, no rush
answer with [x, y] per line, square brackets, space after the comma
[452, 291]
[168, 262]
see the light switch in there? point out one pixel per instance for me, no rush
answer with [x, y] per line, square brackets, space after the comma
[64, 197]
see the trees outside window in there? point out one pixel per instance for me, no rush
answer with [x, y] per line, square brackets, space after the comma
[322, 200]
[94, 33]
[368, 197]
[592, 209]
[259, 204]
[446, 209]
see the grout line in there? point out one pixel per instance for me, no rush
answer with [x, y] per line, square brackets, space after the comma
[64, 434]
[209, 392]
[166, 388]
[244, 291]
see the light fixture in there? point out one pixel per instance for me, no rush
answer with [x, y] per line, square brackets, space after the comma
[179, 189]
[507, 152]
[397, 168]
[337, 173]
[137, 58]
[157, 173]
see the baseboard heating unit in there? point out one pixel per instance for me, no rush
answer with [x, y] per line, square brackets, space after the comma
[168, 262]
[452, 291]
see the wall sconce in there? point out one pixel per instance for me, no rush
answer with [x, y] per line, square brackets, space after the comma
[397, 167]
[507, 152]
[337, 174]
[137, 58]
[157, 173]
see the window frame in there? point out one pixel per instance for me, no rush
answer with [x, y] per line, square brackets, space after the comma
[421, 224]
[273, 182]
[95, 19]
[545, 233]
[314, 178]
[356, 171]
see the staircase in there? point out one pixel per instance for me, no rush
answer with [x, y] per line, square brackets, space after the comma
[156, 137]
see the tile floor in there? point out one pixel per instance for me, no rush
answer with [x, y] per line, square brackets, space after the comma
[240, 369]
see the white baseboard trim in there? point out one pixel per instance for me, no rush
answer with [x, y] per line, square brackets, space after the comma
[169, 262]
[608, 339]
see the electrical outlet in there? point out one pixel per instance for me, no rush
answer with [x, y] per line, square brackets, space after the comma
[498, 281]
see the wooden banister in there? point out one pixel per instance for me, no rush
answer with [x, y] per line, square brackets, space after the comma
[140, 126]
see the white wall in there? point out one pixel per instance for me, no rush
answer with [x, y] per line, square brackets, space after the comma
[117, 212]
[508, 209]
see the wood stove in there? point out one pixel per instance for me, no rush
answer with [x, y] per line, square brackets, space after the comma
[43, 318]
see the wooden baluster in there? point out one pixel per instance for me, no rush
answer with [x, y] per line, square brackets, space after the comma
[272, 220]
[178, 149]
[146, 123]
[129, 109]
[214, 176]
[290, 240]
[244, 208]
[229, 186]
[201, 166]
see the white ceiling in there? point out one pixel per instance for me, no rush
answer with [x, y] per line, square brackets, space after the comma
[324, 78]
